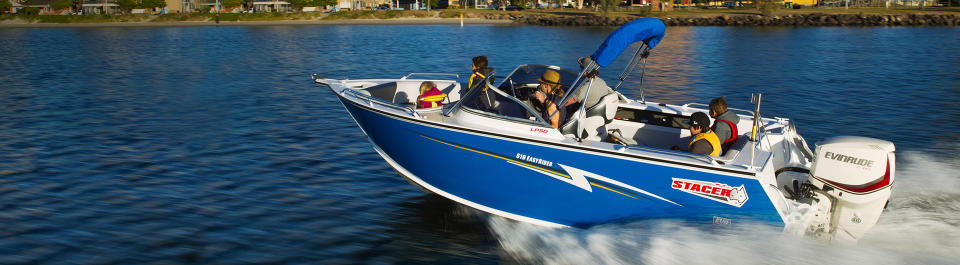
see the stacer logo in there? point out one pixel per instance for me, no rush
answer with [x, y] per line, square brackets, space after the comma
[735, 196]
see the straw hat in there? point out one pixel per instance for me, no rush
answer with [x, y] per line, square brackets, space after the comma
[550, 77]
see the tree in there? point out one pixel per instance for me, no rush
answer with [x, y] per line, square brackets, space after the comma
[4, 6]
[150, 4]
[29, 11]
[767, 6]
[299, 4]
[126, 5]
[607, 6]
[326, 2]
[60, 4]
[231, 3]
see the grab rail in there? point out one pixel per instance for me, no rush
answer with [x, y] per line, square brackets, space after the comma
[412, 74]
[699, 157]
[708, 107]
[371, 100]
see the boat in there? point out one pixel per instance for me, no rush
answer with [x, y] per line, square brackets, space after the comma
[488, 147]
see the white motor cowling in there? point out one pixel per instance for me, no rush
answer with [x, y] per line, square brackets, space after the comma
[857, 172]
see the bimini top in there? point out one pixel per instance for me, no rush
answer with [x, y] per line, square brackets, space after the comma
[648, 30]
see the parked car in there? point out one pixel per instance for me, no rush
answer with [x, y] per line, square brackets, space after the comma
[514, 8]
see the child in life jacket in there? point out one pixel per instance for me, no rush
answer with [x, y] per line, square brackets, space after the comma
[430, 96]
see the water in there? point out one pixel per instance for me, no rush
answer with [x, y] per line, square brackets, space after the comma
[211, 144]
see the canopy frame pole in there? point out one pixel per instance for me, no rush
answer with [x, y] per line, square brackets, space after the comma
[630, 66]
[643, 70]
[581, 78]
[642, 54]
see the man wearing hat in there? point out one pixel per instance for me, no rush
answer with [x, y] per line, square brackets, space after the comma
[548, 95]
[704, 141]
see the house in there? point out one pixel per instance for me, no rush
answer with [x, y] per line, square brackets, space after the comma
[100, 7]
[14, 7]
[271, 6]
[46, 7]
[180, 6]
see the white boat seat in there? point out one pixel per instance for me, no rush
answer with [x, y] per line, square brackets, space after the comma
[593, 125]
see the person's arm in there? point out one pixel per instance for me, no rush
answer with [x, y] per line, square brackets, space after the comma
[701, 147]
[554, 115]
[570, 101]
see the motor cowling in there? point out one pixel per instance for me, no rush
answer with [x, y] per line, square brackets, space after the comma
[858, 173]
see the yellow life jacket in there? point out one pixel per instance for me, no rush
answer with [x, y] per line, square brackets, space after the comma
[475, 74]
[711, 138]
[433, 101]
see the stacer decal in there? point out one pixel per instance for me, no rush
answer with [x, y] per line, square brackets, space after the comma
[734, 196]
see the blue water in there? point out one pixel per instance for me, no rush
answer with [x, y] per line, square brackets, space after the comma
[212, 145]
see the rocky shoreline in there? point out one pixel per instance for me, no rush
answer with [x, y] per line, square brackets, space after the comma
[812, 19]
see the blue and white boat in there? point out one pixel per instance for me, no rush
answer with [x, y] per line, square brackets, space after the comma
[489, 148]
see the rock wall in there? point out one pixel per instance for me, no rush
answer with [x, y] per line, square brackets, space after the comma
[813, 19]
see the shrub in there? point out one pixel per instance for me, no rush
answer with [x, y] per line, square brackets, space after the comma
[29, 11]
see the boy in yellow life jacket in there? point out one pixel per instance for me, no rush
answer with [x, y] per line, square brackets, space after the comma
[430, 96]
[479, 71]
[704, 141]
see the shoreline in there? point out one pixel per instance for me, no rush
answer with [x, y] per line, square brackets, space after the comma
[731, 18]
[391, 21]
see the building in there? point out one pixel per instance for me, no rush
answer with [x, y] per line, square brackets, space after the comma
[271, 6]
[100, 7]
[181, 6]
[14, 7]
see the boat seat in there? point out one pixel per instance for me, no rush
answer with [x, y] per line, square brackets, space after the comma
[593, 125]
[735, 149]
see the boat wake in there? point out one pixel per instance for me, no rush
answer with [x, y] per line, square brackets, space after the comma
[920, 226]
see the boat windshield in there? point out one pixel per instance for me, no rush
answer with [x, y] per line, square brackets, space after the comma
[494, 102]
[523, 81]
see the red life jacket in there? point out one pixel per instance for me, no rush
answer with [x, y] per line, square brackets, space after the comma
[733, 131]
[729, 141]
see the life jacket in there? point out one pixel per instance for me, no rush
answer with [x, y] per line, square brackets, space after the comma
[711, 138]
[478, 75]
[474, 75]
[431, 99]
[733, 134]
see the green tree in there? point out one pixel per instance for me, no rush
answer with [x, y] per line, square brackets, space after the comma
[5, 6]
[150, 4]
[60, 4]
[29, 11]
[231, 3]
[767, 7]
[126, 5]
[326, 2]
[299, 4]
[607, 6]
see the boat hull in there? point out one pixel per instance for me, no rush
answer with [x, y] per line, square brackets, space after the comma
[555, 184]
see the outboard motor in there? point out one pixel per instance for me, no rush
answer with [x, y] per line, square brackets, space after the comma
[856, 173]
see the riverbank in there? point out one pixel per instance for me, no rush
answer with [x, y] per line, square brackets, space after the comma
[568, 17]
[811, 19]
[207, 23]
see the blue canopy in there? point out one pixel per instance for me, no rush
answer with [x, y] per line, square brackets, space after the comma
[648, 30]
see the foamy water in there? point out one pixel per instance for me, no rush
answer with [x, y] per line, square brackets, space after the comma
[920, 226]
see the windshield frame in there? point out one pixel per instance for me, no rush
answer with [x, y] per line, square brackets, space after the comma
[473, 93]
